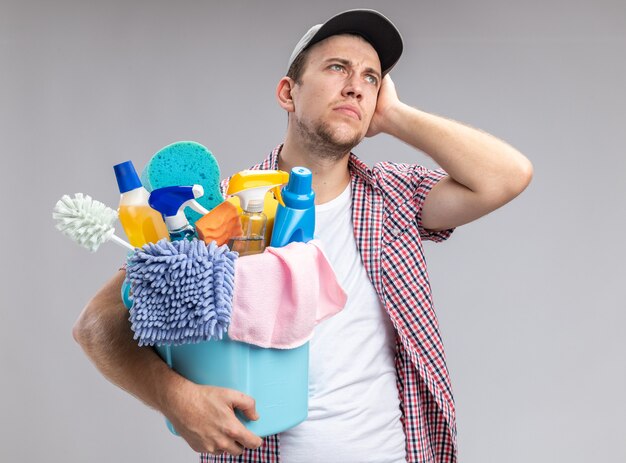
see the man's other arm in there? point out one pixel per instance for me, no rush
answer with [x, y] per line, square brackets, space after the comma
[202, 415]
[484, 172]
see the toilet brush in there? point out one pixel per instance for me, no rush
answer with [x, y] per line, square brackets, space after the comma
[87, 221]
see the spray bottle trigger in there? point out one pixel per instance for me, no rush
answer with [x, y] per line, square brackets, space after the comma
[198, 191]
[196, 206]
[277, 194]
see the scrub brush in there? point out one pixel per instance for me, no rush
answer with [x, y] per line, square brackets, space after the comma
[87, 221]
[182, 291]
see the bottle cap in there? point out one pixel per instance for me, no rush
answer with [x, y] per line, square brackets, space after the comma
[298, 193]
[255, 205]
[126, 175]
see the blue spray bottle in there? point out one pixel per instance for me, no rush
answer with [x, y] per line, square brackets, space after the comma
[295, 221]
[171, 202]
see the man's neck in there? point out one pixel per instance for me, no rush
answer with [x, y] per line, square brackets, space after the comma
[330, 176]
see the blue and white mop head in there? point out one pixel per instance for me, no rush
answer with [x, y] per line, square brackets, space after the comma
[182, 291]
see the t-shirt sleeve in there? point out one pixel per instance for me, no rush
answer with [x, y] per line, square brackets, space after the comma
[428, 179]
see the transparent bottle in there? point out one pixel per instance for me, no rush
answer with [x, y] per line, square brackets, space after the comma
[253, 223]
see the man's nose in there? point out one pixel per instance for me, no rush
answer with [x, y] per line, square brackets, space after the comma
[353, 87]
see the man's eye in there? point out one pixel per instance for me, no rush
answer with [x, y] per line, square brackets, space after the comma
[372, 79]
[336, 67]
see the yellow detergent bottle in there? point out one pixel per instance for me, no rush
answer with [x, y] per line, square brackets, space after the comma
[141, 223]
[251, 187]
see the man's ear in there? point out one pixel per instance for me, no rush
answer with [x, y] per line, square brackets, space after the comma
[284, 93]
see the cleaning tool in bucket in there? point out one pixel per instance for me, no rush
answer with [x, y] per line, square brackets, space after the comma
[87, 221]
[185, 163]
[295, 218]
[220, 224]
[269, 209]
[171, 202]
[282, 294]
[251, 186]
[141, 223]
[181, 292]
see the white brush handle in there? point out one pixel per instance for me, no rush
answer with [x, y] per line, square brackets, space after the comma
[116, 239]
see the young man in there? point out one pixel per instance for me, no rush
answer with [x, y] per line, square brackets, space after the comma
[379, 387]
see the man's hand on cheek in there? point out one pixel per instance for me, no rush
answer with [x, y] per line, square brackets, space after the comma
[387, 101]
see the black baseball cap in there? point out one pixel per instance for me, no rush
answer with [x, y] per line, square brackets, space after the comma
[369, 24]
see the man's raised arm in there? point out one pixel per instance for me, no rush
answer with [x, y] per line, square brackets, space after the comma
[484, 172]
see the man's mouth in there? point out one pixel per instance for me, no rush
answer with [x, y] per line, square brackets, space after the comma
[349, 111]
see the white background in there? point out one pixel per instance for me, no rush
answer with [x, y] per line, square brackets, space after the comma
[529, 298]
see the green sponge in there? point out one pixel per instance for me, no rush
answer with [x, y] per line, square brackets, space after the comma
[185, 163]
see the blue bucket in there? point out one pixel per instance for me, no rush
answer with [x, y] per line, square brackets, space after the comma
[277, 379]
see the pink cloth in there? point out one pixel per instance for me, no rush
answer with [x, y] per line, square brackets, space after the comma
[281, 294]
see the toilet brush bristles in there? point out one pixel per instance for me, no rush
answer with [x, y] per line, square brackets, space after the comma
[86, 221]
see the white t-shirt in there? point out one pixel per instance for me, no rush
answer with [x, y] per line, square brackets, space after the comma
[354, 408]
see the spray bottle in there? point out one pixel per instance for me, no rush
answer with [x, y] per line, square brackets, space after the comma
[251, 186]
[295, 219]
[141, 223]
[171, 202]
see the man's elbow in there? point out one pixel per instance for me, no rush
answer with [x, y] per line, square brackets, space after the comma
[102, 316]
[525, 175]
[77, 331]
[517, 180]
[83, 330]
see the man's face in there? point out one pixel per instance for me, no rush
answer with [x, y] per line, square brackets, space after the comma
[336, 97]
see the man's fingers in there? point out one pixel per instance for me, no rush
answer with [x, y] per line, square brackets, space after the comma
[208, 423]
[244, 437]
[237, 431]
[245, 403]
[230, 447]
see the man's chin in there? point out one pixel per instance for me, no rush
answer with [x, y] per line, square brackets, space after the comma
[345, 140]
[332, 142]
